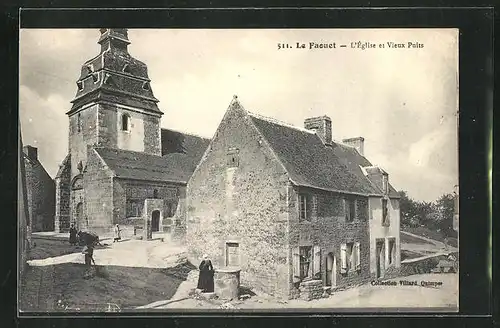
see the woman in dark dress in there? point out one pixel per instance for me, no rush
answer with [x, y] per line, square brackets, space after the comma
[72, 235]
[206, 278]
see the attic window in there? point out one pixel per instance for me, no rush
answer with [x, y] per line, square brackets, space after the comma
[125, 122]
[80, 85]
[233, 157]
[385, 186]
[146, 86]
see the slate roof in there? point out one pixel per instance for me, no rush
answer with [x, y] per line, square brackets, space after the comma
[181, 154]
[141, 166]
[184, 143]
[352, 159]
[309, 162]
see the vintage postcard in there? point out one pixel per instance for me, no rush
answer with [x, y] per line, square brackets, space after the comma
[238, 170]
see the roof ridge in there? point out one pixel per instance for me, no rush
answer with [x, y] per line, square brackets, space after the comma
[128, 151]
[275, 121]
[188, 133]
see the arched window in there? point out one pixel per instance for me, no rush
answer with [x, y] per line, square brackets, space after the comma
[155, 193]
[125, 122]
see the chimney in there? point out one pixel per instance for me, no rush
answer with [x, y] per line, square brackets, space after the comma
[358, 143]
[322, 125]
[31, 152]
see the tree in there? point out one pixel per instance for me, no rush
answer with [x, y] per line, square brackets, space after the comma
[446, 207]
[408, 207]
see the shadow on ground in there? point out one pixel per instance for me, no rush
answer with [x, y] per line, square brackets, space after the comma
[54, 287]
[45, 248]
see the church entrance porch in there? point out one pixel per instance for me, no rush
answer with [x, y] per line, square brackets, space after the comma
[152, 217]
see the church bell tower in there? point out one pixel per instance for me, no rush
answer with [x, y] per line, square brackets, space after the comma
[114, 105]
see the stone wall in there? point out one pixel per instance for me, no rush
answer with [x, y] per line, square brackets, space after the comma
[311, 290]
[41, 196]
[107, 121]
[62, 206]
[152, 136]
[140, 191]
[98, 187]
[242, 202]
[328, 229]
[79, 139]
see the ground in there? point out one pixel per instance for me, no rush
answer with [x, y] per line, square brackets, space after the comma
[154, 275]
[129, 274]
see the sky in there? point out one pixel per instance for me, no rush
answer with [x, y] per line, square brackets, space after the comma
[403, 101]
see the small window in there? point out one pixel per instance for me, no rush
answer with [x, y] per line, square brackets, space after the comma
[155, 193]
[90, 69]
[305, 207]
[305, 261]
[79, 122]
[385, 213]
[232, 254]
[125, 122]
[80, 85]
[350, 209]
[95, 77]
[233, 159]
[146, 86]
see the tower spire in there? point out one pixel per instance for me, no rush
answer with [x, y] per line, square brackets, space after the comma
[114, 39]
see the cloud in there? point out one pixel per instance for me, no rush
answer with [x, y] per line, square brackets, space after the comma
[44, 125]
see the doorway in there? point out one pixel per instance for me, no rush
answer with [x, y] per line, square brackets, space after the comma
[380, 258]
[331, 270]
[155, 221]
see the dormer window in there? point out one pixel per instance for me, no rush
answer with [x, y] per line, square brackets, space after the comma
[146, 86]
[79, 85]
[125, 122]
[126, 69]
[385, 184]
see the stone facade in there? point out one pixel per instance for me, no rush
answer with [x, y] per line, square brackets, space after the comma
[98, 195]
[40, 191]
[241, 203]
[245, 210]
[327, 229]
[63, 185]
[129, 197]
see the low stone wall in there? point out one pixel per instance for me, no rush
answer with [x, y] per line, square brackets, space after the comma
[310, 290]
[419, 266]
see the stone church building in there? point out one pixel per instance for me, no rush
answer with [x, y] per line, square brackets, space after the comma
[291, 208]
[121, 167]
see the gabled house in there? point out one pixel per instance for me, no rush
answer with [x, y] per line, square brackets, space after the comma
[290, 207]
